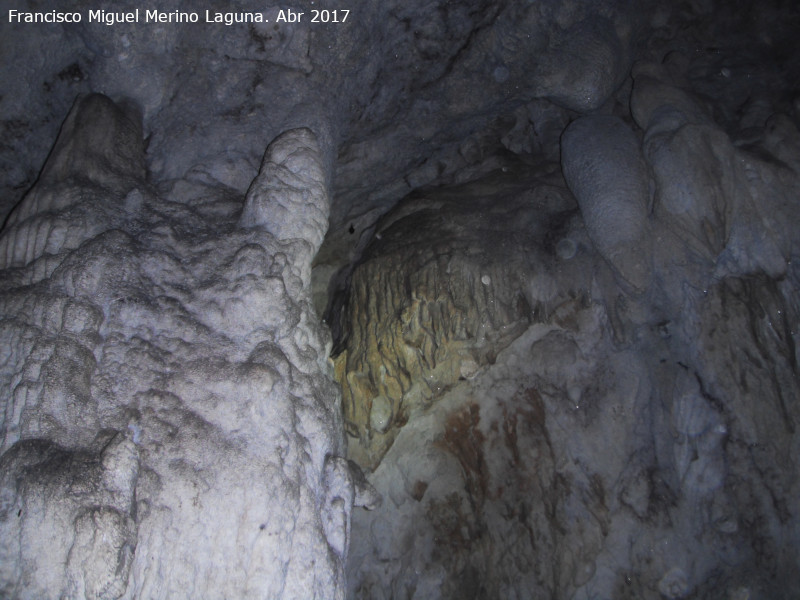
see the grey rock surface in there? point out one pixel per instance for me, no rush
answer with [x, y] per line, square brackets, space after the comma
[587, 463]
[548, 249]
[603, 165]
[393, 91]
[613, 449]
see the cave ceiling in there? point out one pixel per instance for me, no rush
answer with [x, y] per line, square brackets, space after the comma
[402, 94]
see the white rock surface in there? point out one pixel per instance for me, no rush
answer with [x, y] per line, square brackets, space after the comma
[289, 197]
[170, 428]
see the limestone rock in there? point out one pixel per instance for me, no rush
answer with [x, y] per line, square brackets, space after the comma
[441, 290]
[84, 503]
[193, 342]
[655, 102]
[97, 160]
[604, 168]
[587, 64]
[289, 197]
[609, 458]
[557, 399]
[685, 162]
[726, 206]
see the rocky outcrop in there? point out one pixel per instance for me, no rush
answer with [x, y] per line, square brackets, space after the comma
[634, 440]
[289, 197]
[69, 518]
[169, 427]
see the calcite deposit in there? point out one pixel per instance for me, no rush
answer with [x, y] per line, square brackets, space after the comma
[170, 403]
[450, 279]
[517, 277]
[603, 165]
[615, 443]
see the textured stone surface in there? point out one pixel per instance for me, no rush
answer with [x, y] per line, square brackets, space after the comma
[289, 197]
[171, 428]
[618, 447]
[82, 190]
[581, 387]
[451, 278]
[394, 91]
[603, 165]
[574, 468]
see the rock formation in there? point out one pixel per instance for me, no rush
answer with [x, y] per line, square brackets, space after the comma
[170, 404]
[613, 448]
[619, 424]
[603, 165]
[519, 278]
[450, 279]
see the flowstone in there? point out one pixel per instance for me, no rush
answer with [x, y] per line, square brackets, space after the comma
[451, 278]
[169, 428]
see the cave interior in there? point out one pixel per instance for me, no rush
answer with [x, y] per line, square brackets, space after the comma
[407, 299]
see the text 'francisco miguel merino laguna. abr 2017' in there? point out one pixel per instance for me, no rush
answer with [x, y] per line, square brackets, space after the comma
[156, 16]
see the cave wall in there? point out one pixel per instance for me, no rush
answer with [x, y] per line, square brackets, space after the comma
[450, 279]
[575, 468]
[548, 250]
[632, 436]
[619, 444]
